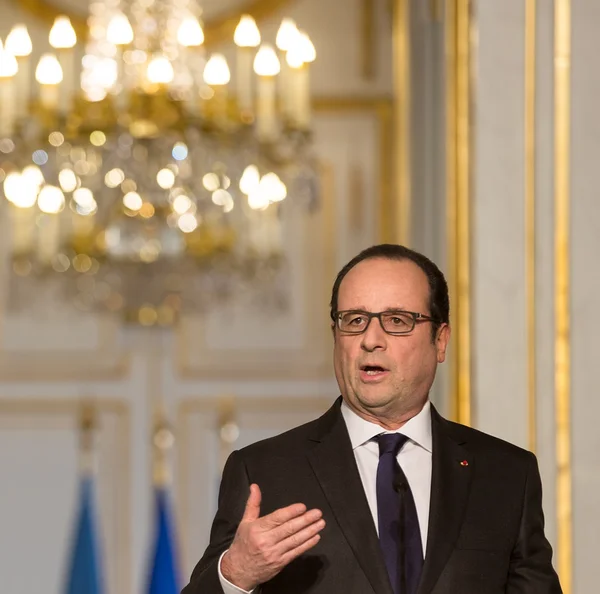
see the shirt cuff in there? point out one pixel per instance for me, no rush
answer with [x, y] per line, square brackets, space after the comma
[228, 587]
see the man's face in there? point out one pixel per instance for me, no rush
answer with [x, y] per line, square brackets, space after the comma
[384, 377]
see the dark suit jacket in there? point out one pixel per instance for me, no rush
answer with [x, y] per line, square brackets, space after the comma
[486, 526]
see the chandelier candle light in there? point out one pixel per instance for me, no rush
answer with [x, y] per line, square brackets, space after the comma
[147, 173]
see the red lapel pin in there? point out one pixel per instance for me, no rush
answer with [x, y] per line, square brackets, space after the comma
[464, 463]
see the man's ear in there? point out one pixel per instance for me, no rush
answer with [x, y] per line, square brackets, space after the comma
[441, 342]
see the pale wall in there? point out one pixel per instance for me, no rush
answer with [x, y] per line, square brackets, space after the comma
[50, 359]
[500, 318]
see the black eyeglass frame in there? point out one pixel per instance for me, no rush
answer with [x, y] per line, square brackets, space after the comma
[415, 316]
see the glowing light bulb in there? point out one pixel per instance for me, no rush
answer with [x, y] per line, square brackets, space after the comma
[297, 51]
[309, 53]
[286, 35]
[216, 71]
[160, 70]
[190, 33]
[294, 59]
[249, 180]
[8, 63]
[257, 200]
[62, 35]
[119, 30]
[272, 188]
[247, 33]
[48, 71]
[266, 62]
[18, 42]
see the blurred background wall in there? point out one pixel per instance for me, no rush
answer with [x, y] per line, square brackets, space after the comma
[464, 129]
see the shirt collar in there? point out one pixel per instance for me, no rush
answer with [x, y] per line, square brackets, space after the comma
[417, 429]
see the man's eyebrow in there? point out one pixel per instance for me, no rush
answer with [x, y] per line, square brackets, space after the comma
[363, 308]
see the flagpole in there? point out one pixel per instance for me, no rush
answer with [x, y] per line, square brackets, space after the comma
[164, 574]
[87, 427]
[84, 573]
[163, 440]
[229, 430]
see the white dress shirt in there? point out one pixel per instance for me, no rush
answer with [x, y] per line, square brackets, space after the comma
[414, 458]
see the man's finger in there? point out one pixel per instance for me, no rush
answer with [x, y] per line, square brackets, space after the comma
[252, 511]
[288, 557]
[294, 525]
[283, 515]
[302, 536]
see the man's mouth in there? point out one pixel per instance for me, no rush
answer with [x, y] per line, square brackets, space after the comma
[372, 370]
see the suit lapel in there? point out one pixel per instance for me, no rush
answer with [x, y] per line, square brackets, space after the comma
[334, 465]
[452, 467]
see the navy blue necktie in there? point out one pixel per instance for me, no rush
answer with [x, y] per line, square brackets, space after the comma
[399, 534]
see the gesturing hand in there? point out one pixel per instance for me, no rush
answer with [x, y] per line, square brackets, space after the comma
[262, 547]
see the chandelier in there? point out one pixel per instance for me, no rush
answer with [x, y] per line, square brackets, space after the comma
[141, 174]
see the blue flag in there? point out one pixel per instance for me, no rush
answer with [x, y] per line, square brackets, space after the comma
[164, 577]
[84, 576]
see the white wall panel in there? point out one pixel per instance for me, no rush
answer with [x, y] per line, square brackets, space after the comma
[499, 344]
[585, 291]
[40, 493]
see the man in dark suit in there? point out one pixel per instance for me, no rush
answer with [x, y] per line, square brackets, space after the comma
[381, 495]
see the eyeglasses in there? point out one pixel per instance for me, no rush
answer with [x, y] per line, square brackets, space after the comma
[394, 322]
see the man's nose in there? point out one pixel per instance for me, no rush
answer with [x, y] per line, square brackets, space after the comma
[374, 337]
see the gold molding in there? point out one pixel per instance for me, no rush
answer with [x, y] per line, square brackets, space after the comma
[43, 407]
[345, 104]
[64, 366]
[398, 227]
[61, 406]
[217, 31]
[458, 30]
[562, 345]
[530, 212]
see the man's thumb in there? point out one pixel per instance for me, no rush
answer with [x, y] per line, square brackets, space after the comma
[252, 511]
